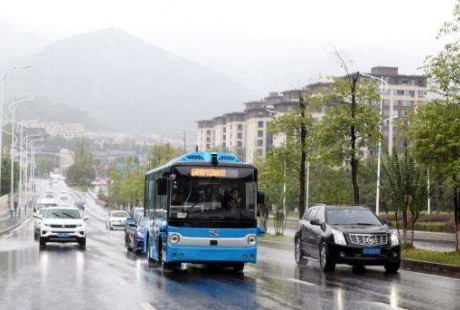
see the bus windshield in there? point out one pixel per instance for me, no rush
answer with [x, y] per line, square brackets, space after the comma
[213, 199]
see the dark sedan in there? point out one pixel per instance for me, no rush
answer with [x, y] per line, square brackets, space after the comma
[351, 235]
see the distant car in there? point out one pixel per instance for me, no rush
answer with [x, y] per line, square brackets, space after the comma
[38, 221]
[116, 219]
[80, 205]
[136, 234]
[63, 198]
[136, 213]
[351, 235]
[63, 225]
[44, 203]
[49, 195]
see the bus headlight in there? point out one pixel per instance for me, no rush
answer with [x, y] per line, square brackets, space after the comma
[252, 240]
[174, 238]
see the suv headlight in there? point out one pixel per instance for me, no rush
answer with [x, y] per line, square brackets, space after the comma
[46, 224]
[339, 238]
[394, 237]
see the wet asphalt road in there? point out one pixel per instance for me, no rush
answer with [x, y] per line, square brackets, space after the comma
[105, 276]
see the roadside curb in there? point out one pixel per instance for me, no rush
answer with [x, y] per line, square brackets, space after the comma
[450, 271]
[7, 230]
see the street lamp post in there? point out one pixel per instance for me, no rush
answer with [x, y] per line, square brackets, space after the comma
[383, 84]
[12, 109]
[2, 88]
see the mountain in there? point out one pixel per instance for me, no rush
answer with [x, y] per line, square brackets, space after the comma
[43, 109]
[127, 84]
[15, 42]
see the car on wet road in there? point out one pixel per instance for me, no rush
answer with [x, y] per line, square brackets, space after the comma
[38, 221]
[116, 219]
[351, 235]
[136, 234]
[63, 225]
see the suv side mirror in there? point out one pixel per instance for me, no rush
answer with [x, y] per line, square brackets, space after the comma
[162, 186]
[260, 197]
[315, 222]
[130, 222]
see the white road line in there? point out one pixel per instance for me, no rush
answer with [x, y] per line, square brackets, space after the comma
[147, 306]
[122, 281]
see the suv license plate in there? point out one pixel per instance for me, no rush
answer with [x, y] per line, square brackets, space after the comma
[63, 235]
[371, 251]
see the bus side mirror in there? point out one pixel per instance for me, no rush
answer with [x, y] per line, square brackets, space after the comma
[162, 186]
[260, 197]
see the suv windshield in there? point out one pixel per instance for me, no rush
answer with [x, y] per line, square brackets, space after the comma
[63, 213]
[348, 216]
[212, 199]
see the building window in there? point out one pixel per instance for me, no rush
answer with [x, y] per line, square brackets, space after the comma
[421, 94]
[240, 127]
[260, 142]
[225, 129]
[208, 146]
[240, 135]
[386, 102]
[260, 133]
[239, 144]
[224, 144]
[399, 92]
[208, 139]
[412, 93]
[260, 124]
[259, 152]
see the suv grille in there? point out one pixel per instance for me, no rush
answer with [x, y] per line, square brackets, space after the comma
[369, 239]
[63, 226]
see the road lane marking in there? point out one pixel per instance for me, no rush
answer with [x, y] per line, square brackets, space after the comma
[122, 281]
[147, 306]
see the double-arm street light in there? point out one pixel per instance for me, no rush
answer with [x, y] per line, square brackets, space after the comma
[12, 109]
[383, 85]
[3, 76]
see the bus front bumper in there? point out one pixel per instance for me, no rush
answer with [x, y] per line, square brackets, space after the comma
[210, 254]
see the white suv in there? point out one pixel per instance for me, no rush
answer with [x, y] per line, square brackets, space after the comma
[63, 225]
[38, 221]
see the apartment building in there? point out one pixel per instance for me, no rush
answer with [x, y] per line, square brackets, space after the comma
[258, 140]
[401, 94]
[245, 133]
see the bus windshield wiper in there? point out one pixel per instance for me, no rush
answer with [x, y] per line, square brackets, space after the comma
[189, 210]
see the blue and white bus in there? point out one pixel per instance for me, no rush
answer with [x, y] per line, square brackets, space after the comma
[203, 209]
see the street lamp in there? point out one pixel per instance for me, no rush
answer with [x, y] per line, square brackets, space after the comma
[12, 109]
[2, 87]
[383, 88]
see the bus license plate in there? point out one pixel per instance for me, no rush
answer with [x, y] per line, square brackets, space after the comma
[371, 251]
[63, 235]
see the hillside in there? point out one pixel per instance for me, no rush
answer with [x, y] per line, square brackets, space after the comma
[127, 84]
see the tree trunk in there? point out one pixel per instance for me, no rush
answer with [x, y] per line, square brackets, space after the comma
[404, 224]
[303, 158]
[354, 160]
[456, 213]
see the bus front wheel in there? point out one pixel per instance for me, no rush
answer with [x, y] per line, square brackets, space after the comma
[238, 268]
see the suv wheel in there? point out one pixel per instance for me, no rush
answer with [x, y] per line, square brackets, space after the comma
[298, 255]
[42, 242]
[392, 267]
[82, 242]
[326, 261]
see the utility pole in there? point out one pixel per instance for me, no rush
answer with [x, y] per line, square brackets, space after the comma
[303, 156]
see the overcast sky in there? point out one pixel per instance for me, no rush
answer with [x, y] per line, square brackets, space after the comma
[267, 45]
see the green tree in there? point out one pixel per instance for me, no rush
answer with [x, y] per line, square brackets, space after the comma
[436, 126]
[161, 153]
[349, 124]
[407, 186]
[82, 171]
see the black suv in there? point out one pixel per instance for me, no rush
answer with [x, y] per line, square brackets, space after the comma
[351, 235]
